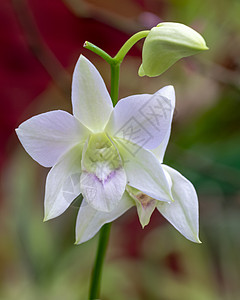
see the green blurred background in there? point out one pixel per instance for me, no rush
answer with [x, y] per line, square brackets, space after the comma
[40, 42]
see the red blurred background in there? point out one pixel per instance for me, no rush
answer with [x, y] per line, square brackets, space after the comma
[40, 42]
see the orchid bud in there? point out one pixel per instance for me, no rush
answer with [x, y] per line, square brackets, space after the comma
[166, 44]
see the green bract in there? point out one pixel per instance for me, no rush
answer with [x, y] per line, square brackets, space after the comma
[167, 43]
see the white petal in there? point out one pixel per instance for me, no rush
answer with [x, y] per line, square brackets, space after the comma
[103, 178]
[89, 220]
[183, 212]
[49, 135]
[160, 150]
[63, 183]
[91, 101]
[103, 195]
[144, 172]
[143, 119]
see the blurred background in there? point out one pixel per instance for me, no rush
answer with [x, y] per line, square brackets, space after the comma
[40, 43]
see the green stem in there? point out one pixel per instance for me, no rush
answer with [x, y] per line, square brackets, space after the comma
[97, 269]
[98, 51]
[115, 69]
[128, 45]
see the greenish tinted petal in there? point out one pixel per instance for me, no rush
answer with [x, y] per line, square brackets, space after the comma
[145, 205]
[166, 44]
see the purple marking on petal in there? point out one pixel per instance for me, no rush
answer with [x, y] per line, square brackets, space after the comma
[110, 176]
[107, 179]
[145, 200]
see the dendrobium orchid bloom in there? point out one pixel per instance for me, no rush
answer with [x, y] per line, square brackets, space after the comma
[112, 156]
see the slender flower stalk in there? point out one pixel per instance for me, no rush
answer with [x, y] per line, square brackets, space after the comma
[114, 83]
[99, 52]
[94, 292]
[128, 45]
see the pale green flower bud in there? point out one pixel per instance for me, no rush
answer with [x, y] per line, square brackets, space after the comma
[167, 43]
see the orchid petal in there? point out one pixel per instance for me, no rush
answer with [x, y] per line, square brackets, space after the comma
[91, 102]
[145, 205]
[90, 220]
[183, 212]
[63, 183]
[47, 136]
[143, 119]
[144, 172]
[160, 150]
[103, 179]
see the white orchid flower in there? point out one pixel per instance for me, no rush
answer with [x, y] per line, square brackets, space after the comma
[104, 153]
[182, 213]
